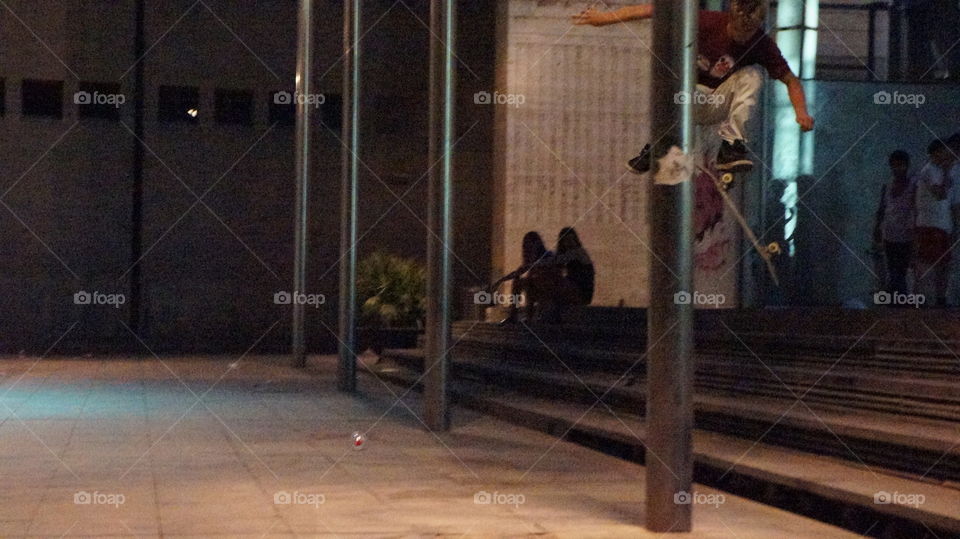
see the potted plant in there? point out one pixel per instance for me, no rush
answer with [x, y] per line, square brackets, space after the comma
[391, 292]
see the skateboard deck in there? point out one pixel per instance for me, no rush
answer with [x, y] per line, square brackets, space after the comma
[723, 183]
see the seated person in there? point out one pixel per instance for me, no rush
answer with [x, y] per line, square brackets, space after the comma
[535, 279]
[577, 282]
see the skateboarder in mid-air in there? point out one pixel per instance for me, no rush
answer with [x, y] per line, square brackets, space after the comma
[730, 47]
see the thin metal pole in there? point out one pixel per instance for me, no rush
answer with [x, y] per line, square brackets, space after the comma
[872, 43]
[302, 205]
[347, 368]
[440, 212]
[669, 461]
[895, 36]
[136, 239]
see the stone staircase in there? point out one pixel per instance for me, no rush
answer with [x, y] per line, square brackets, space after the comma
[877, 396]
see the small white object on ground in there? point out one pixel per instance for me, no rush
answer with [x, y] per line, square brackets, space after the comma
[358, 441]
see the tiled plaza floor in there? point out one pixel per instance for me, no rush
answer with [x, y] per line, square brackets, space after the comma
[214, 447]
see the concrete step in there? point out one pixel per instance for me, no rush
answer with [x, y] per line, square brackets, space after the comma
[827, 380]
[911, 332]
[891, 355]
[883, 325]
[888, 440]
[826, 372]
[829, 489]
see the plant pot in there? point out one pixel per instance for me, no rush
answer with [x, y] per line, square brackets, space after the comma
[379, 339]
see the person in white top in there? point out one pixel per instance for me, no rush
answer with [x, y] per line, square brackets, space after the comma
[934, 224]
[895, 220]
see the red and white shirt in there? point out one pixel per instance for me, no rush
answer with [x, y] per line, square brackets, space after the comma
[719, 56]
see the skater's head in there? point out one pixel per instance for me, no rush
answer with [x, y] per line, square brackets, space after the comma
[940, 154]
[899, 163]
[533, 247]
[746, 17]
[568, 240]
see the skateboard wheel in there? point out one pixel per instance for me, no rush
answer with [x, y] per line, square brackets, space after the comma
[727, 178]
[773, 248]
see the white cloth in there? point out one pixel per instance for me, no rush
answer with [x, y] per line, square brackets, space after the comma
[898, 215]
[930, 211]
[731, 105]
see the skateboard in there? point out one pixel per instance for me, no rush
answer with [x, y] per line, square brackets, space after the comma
[724, 182]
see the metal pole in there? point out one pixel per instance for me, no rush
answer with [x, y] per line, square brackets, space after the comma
[895, 36]
[669, 460]
[347, 368]
[872, 43]
[440, 212]
[302, 204]
[136, 240]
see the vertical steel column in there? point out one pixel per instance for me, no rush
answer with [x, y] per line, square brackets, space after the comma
[304, 86]
[872, 43]
[669, 460]
[897, 28]
[440, 195]
[136, 218]
[347, 368]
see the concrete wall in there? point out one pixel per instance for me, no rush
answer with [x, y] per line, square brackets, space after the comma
[64, 223]
[561, 152]
[210, 269]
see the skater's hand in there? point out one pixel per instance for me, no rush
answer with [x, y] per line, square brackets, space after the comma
[805, 121]
[592, 17]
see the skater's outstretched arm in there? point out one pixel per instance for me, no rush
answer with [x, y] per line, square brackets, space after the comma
[799, 100]
[594, 17]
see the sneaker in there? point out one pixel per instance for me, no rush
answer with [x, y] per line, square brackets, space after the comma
[732, 157]
[641, 163]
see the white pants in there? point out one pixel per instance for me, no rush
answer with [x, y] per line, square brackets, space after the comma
[731, 104]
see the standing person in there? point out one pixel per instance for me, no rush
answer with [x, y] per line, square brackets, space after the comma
[934, 224]
[730, 47]
[931, 38]
[895, 220]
